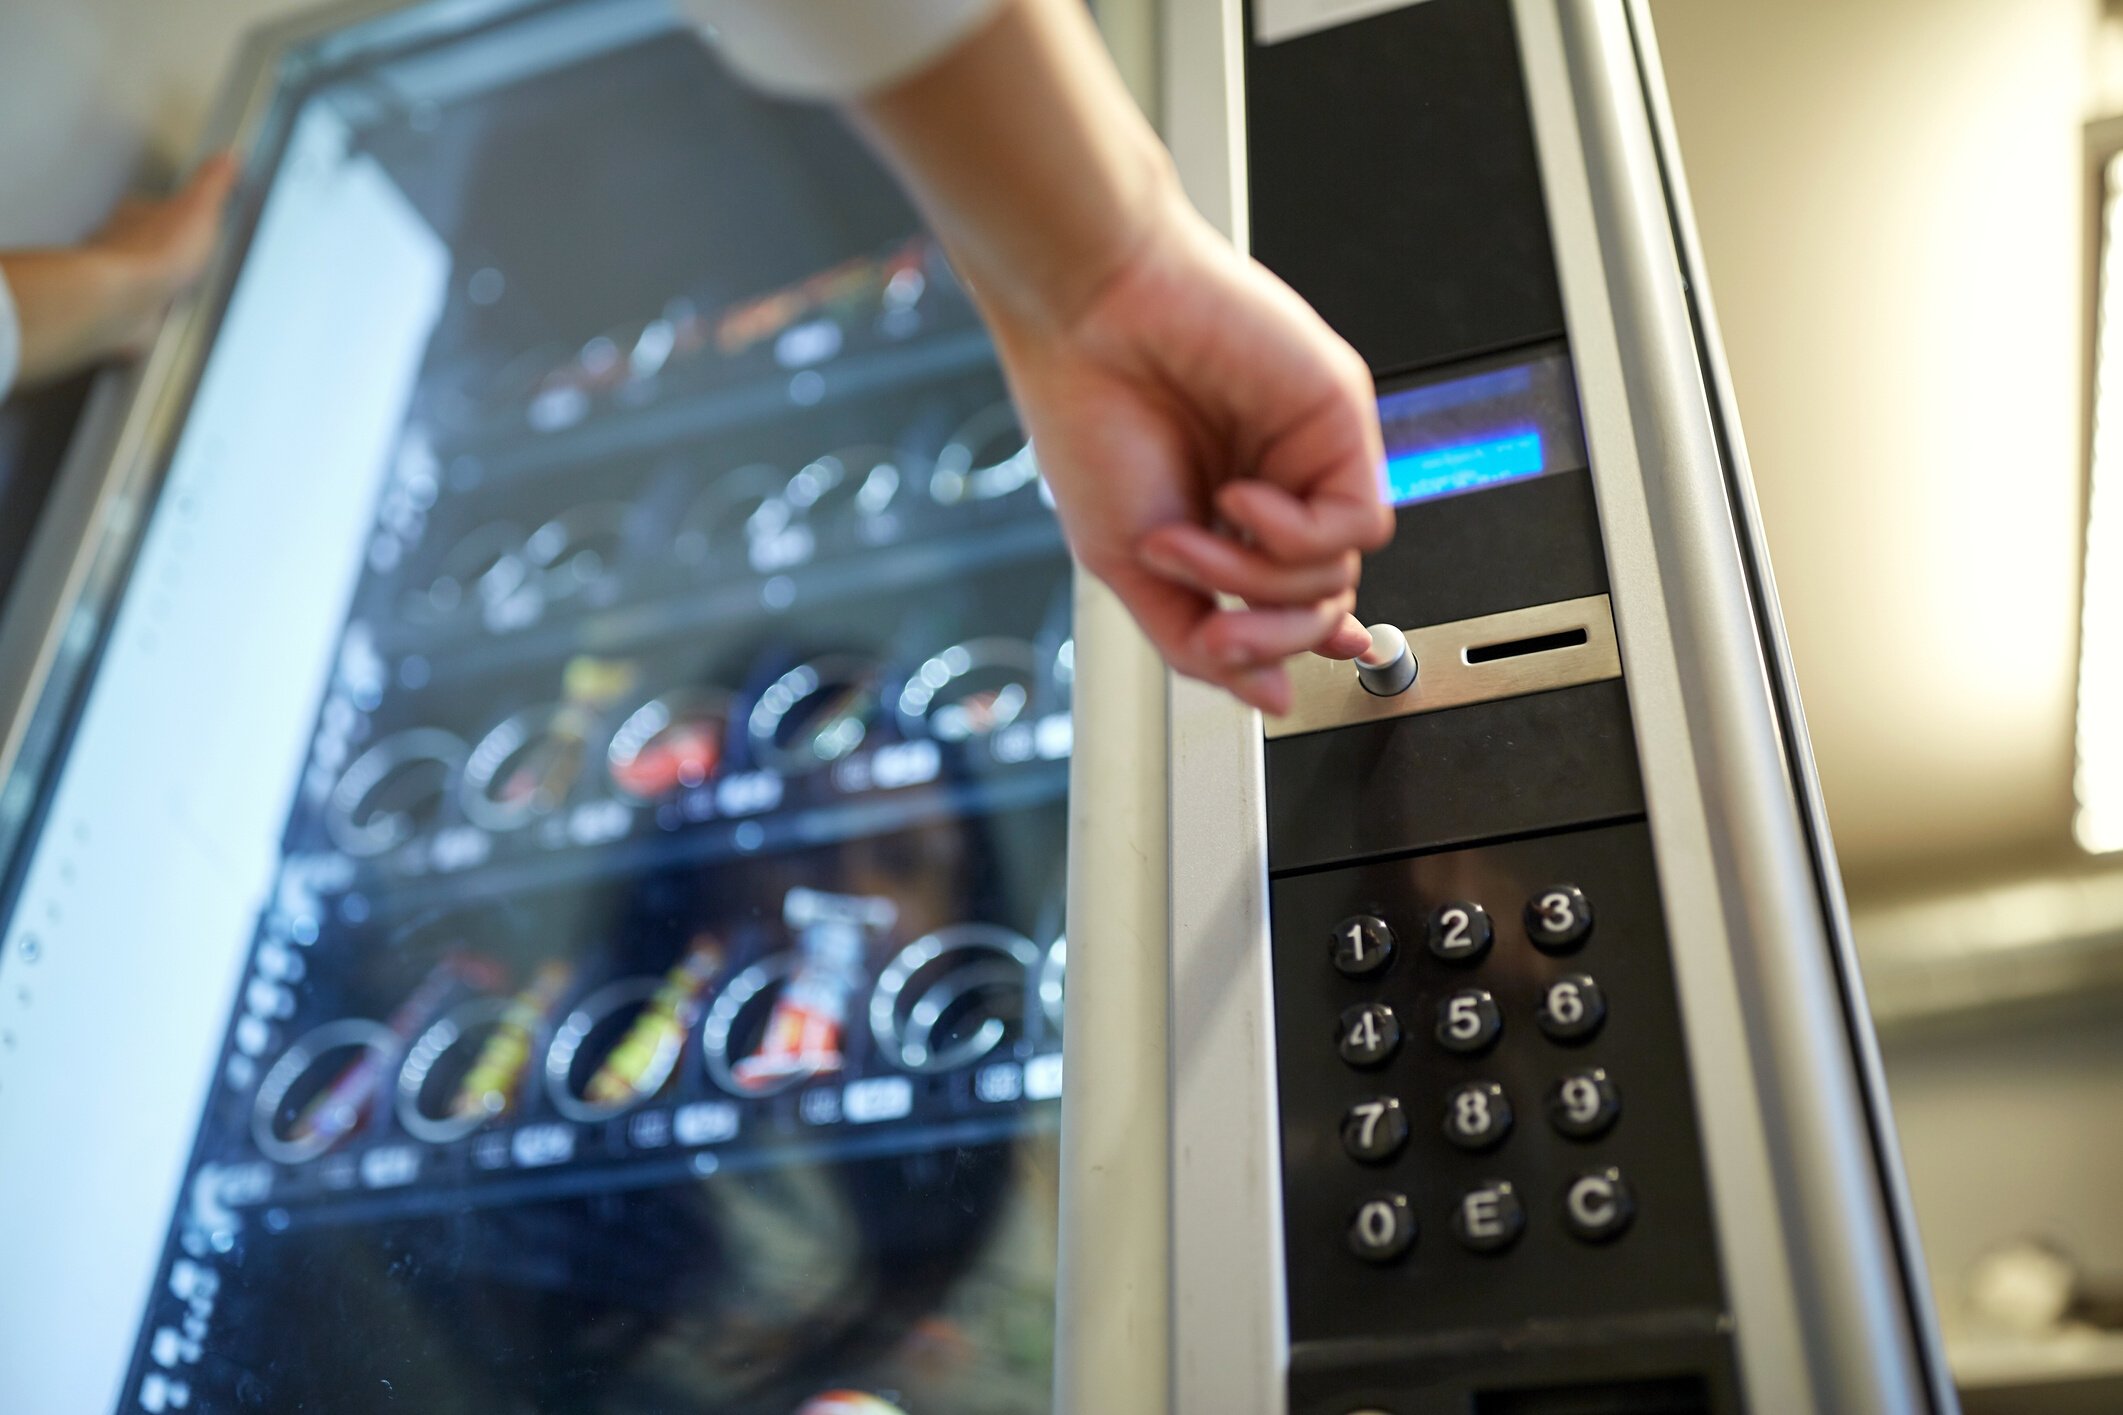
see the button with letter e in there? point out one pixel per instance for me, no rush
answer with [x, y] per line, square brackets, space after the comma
[1598, 1206]
[1489, 1216]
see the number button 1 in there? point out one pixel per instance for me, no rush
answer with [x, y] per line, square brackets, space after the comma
[1572, 1008]
[1370, 1034]
[1468, 1020]
[1477, 1115]
[1558, 918]
[1360, 946]
[1460, 932]
[1584, 1104]
[1373, 1131]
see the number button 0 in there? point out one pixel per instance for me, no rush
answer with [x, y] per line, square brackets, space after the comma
[1584, 1104]
[1370, 1034]
[1460, 932]
[1373, 1131]
[1477, 1115]
[1558, 918]
[1362, 944]
[1382, 1228]
[1572, 1008]
[1468, 1020]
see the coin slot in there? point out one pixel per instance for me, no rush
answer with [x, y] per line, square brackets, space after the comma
[1521, 648]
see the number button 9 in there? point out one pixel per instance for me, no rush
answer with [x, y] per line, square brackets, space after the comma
[1373, 1131]
[1572, 1008]
[1584, 1104]
[1558, 918]
[1360, 946]
[1460, 932]
[1370, 1034]
[1468, 1021]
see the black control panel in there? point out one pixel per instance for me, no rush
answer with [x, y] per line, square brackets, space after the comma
[1493, 1189]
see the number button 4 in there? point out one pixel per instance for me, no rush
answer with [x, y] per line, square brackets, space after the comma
[1572, 1008]
[1468, 1021]
[1373, 1131]
[1460, 932]
[1584, 1104]
[1370, 1034]
[1477, 1115]
[1558, 918]
[1361, 945]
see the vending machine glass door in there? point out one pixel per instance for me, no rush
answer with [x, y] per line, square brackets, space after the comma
[547, 892]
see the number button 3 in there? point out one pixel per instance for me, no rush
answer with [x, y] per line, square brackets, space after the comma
[1360, 946]
[1460, 932]
[1374, 1130]
[1558, 918]
[1468, 1021]
[1370, 1034]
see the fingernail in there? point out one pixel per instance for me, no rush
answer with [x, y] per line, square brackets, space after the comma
[1164, 564]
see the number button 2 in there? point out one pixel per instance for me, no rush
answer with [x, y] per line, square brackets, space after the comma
[1477, 1115]
[1370, 1034]
[1468, 1021]
[1360, 946]
[1572, 1008]
[1460, 932]
[1558, 918]
[1373, 1131]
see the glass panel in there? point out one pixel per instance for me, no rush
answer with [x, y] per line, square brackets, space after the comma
[597, 680]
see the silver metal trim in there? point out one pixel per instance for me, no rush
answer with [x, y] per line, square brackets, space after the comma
[1228, 1298]
[1802, 1222]
[304, 1053]
[1326, 693]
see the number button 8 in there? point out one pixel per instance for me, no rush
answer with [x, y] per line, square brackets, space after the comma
[1558, 918]
[1477, 1115]
[1468, 1021]
[1460, 932]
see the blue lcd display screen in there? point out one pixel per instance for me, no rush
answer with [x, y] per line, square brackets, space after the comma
[1466, 431]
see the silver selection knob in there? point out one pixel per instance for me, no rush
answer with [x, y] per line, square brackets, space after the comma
[1386, 668]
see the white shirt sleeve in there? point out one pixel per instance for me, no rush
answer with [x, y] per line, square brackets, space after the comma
[10, 338]
[833, 48]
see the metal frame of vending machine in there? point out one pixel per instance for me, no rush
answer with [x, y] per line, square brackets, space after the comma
[1604, 699]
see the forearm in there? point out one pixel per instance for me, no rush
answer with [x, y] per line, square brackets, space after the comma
[1028, 157]
[75, 308]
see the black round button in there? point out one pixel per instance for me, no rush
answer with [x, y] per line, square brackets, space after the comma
[1572, 1008]
[1584, 1104]
[1598, 1206]
[1477, 1115]
[1361, 945]
[1382, 1228]
[1489, 1216]
[1374, 1130]
[1369, 1034]
[1558, 918]
[1460, 932]
[1468, 1020]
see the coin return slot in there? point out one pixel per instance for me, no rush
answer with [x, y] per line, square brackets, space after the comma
[1521, 648]
[1687, 1395]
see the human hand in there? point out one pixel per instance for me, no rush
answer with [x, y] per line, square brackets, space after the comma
[1205, 433]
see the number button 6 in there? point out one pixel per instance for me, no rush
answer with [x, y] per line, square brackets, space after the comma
[1460, 932]
[1468, 1021]
[1572, 1008]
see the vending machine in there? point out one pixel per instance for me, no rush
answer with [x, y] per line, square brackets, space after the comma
[556, 756]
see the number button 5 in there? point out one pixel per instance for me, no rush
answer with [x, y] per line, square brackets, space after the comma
[1460, 932]
[1373, 1131]
[1370, 1034]
[1468, 1021]
[1558, 918]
